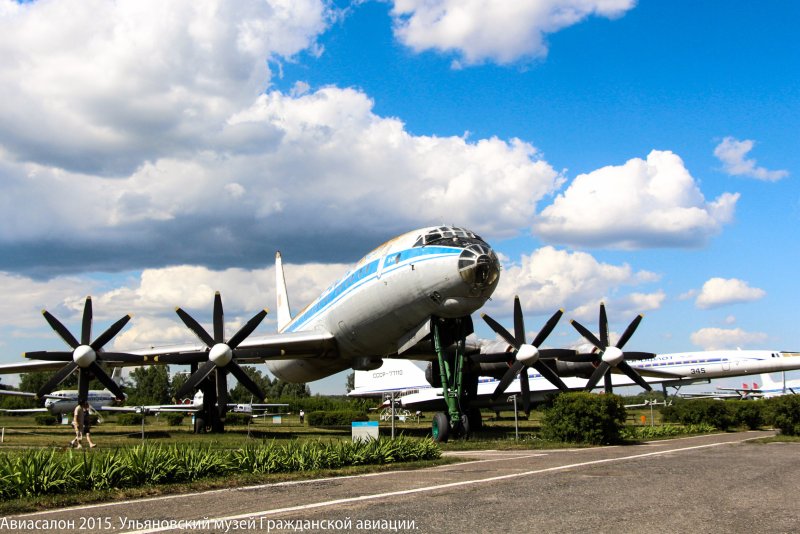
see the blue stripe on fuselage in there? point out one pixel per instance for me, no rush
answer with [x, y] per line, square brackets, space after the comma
[362, 275]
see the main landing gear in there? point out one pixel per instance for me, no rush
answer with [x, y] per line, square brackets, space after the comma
[459, 383]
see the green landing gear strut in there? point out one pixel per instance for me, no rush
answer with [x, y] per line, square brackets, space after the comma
[455, 422]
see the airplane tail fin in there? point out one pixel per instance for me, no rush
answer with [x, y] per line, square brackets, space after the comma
[116, 376]
[284, 314]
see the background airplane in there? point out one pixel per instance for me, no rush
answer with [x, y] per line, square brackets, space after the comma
[63, 402]
[411, 387]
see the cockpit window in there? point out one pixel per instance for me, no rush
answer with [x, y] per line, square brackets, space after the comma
[448, 235]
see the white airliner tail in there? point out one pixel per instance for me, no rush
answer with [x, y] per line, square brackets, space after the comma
[284, 314]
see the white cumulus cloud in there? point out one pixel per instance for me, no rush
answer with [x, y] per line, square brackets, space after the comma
[733, 155]
[327, 159]
[98, 86]
[640, 204]
[549, 279]
[723, 338]
[493, 30]
[718, 292]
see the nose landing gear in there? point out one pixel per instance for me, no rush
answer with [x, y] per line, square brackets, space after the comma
[459, 385]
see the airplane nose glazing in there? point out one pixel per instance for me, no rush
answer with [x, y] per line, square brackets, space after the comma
[479, 267]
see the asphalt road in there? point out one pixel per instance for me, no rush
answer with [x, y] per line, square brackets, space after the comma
[716, 483]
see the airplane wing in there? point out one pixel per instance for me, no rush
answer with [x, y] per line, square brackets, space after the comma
[282, 346]
[162, 408]
[26, 394]
[24, 410]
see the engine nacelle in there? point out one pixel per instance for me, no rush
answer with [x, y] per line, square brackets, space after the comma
[581, 369]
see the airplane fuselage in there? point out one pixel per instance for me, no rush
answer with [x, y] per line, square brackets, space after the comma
[439, 271]
[65, 401]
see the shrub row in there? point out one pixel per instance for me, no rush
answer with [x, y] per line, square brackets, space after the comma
[40, 472]
[782, 413]
[335, 418]
[637, 433]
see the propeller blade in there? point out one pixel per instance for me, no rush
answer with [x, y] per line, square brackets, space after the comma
[245, 380]
[603, 325]
[547, 329]
[633, 375]
[121, 357]
[222, 391]
[597, 375]
[629, 331]
[56, 379]
[247, 329]
[497, 327]
[50, 356]
[61, 330]
[509, 377]
[86, 325]
[519, 324]
[609, 387]
[194, 380]
[183, 358]
[550, 375]
[112, 331]
[106, 380]
[591, 338]
[83, 384]
[219, 319]
[195, 327]
[525, 387]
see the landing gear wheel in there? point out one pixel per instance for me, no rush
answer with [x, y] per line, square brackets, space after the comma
[440, 429]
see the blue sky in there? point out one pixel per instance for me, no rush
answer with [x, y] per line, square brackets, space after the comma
[643, 154]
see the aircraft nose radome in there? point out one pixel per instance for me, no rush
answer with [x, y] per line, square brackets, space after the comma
[479, 267]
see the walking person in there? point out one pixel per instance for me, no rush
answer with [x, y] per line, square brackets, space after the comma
[302, 416]
[82, 425]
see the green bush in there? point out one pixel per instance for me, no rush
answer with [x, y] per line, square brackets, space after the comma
[45, 419]
[717, 413]
[784, 414]
[237, 418]
[172, 418]
[335, 418]
[749, 413]
[584, 418]
[129, 419]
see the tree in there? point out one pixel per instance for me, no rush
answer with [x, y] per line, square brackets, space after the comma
[288, 390]
[241, 394]
[150, 385]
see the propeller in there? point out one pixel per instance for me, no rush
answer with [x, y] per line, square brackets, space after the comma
[84, 355]
[219, 357]
[526, 355]
[611, 356]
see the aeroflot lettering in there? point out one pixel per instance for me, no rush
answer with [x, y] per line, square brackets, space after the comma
[396, 372]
